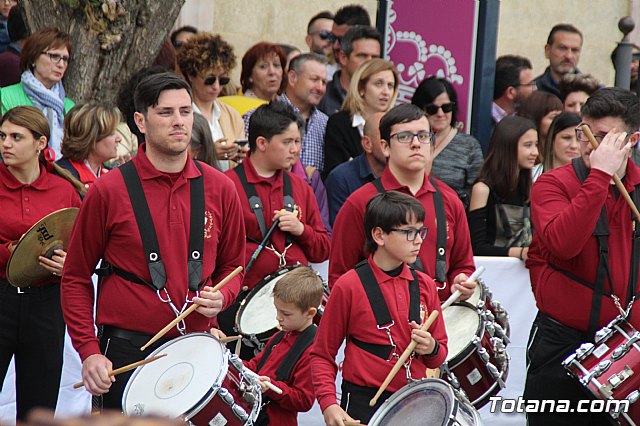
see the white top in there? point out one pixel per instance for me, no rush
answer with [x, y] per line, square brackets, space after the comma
[358, 121]
[216, 130]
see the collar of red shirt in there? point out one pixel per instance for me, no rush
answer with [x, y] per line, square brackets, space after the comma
[146, 170]
[10, 181]
[390, 183]
[382, 277]
[254, 177]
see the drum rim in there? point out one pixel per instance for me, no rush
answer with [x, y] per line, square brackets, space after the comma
[468, 349]
[213, 390]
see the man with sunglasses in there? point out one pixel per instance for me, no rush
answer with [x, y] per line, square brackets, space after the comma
[407, 142]
[584, 256]
[318, 33]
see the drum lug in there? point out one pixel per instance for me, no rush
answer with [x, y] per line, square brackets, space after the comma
[615, 381]
[495, 373]
[236, 362]
[451, 378]
[490, 327]
[501, 333]
[488, 315]
[584, 350]
[240, 412]
[633, 396]
[498, 344]
[603, 334]
[226, 396]
[484, 355]
[621, 350]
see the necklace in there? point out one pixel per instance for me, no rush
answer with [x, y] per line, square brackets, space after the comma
[439, 146]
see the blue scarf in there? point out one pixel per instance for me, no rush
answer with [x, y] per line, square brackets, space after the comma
[51, 103]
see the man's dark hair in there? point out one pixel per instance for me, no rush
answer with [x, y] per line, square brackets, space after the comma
[404, 113]
[185, 29]
[508, 68]
[353, 14]
[15, 25]
[614, 102]
[149, 89]
[325, 14]
[270, 120]
[567, 28]
[389, 210]
[358, 32]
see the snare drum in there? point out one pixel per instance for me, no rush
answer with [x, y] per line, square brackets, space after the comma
[608, 369]
[483, 299]
[256, 319]
[198, 381]
[477, 362]
[426, 402]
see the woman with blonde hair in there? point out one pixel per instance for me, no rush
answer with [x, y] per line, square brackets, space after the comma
[31, 318]
[373, 88]
[90, 140]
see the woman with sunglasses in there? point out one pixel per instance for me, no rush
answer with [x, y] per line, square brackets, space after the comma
[499, 219]
[457, 157]
[206, 61]
[31, 324]
[373, 88]
[44, 61]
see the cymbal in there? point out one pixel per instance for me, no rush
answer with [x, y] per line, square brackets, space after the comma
[48, 234]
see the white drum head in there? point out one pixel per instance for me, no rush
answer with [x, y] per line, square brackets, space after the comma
[259, 312]
[476, 296]
[171, 386]
[462, 324]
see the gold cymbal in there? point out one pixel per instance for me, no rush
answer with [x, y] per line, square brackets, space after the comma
[48, 234]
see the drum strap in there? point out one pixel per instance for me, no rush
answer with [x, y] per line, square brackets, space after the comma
[256, 203]
[380, 308]
[441, 240]
[149, 236]
[304, 340]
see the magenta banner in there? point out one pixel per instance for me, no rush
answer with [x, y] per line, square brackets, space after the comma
[433, 37]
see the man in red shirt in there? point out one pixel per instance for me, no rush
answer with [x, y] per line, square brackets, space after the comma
[567, 261]
[187, 237]
[448, 258]
[378, 307]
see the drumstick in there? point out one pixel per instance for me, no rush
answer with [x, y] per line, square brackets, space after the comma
[263, 243]
[476, 274]
[191, 309]
[229, 339]
[350, 423]
[266, 383]
[126, 368]
[616, 179]
[424, 327]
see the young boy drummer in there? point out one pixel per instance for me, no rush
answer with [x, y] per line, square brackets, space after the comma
[285, 359]
[378, 308]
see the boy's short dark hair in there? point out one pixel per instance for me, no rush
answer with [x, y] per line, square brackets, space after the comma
[358, 32]
[352, 14]
[389, 210]
[302, 286]
[270, 120]
[614, 102]
[404, 113]
[149, 89]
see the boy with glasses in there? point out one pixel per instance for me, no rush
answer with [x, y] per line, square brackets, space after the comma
[446, 254]
[583, 258]
[378, 307]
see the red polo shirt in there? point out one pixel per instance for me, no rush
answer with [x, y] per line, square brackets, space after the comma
[564, 214]
[25, 204]
[311, 246]
[348, 313]
[297, 394]
[106, 228]
[348, 241]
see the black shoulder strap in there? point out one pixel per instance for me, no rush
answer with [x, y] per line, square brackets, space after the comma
[267, 350]
[145, 225]
[196, 231]
[441, 241]
[254, 201]
[283, 373]
[414, 299]
[378, 184]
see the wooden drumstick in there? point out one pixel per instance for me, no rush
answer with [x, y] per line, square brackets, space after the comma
[350, 423]
[424, 327]
[126, 368]
[229, 339]
[266, 383]
[191, 308]
[456, 294]
[616, 179]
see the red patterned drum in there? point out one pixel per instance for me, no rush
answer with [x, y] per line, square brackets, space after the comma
[198, 380]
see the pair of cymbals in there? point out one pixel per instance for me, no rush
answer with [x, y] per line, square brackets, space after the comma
[48, 234]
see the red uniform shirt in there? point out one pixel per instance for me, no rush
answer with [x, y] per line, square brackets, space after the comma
[348, 313]
[564, 215]
[347, 246]
[297, 394]
[311, 246]
[106, 228]
[25, 204]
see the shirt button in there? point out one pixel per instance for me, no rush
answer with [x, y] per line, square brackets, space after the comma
[27, 210]
[173, 207]
[26, 198]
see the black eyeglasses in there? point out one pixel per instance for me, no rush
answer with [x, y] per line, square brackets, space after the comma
[432, 109]
[56, 58]
[424, 138]
[412, 233]
[209, 81]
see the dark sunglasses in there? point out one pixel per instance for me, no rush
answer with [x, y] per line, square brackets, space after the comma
[432, 109]
[324, 35]
[209, 81]
[330, 36]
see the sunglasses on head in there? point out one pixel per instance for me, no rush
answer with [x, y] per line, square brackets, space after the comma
[432, 109]
[209, 81]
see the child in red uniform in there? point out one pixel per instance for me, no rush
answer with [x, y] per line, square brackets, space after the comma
[377, 307]
[285, 359]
